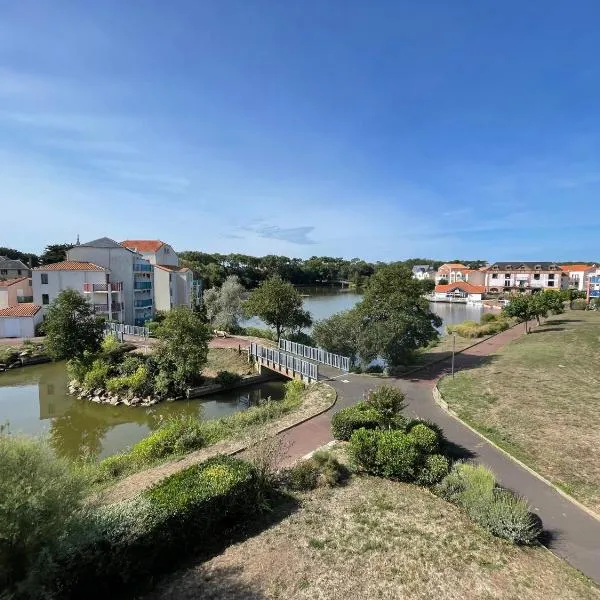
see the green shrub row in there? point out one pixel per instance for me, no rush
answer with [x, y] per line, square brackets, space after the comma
[505, 515]
[129, 543]
[489, 325]
[347, 420]
[178, 436]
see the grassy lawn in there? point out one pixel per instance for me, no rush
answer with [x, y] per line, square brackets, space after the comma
[226, 359]
[376, 539]
[539, 398]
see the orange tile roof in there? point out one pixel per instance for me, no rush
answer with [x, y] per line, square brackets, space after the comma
[452, 266]
[172, 268]
[71, 265]
[575, 268]
[143, 245]
[10, 282]
[465, 286]
[26, 309]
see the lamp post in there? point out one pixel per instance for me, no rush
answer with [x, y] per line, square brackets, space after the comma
[453, 351]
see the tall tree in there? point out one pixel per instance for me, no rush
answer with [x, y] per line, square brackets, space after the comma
[224, 304]
[71, 327]
[395, 319]
[278, 304]
[339, 333]
[55, 253]
[522, 308]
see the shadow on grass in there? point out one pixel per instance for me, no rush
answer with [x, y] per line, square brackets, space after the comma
[191, 580]
[562, 321]
[547, 329]
[462, 362]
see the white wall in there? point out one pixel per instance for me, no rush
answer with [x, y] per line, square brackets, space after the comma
[25, 326]
[62, 280]
[529, 277]
[165, 255]
[162, 288]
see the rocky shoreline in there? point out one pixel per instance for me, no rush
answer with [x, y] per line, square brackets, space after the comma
[100, 396]
[23, 358]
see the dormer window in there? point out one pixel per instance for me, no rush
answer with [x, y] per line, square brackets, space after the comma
[538, 267]
[508, 267]
[522, 267]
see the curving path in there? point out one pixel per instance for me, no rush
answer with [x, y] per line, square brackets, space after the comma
[574, 534]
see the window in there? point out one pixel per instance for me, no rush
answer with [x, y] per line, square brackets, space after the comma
[494, 275]
[538, 267]
[536, 276]
[45, 299]
[551, 284]
[44, 278]
[551, 276]
[507, 275]
[18, 271]
[3, 271]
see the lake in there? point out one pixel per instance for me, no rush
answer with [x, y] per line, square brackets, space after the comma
[34, 400]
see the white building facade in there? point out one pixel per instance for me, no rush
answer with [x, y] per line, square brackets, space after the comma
[525, 277]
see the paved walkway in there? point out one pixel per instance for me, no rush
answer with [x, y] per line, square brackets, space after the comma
[574, 533]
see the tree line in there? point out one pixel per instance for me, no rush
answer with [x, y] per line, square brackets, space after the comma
[52, 253]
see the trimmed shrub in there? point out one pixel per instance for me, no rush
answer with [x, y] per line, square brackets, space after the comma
[508, 517]
[433, 470]
[227, 378]
[424, 438]
[362, 449]
[347, 420]
[132, 541]
[397, 457]
[388, 401]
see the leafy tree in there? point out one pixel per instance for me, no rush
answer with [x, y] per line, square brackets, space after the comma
[72, 329]
[278, 304]
[26, 257]
[548, 301]
[224, 305]
[339, 333]
[55, 253]
[181, 351]
[522, 308]
[395, 319]
[428, 285]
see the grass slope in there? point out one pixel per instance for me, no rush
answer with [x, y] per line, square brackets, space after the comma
[539, 398]
[377, 539]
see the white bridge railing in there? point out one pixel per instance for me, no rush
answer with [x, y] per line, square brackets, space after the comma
[316, 354]
[292, 364]
[119, 329]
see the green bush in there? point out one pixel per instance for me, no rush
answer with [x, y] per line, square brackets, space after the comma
[433, 470]
[133, 541]
[347, 420]
[374, 369]
[474, 489]
[488, 318]
[39, 496]
[227, 378]
[398, 456]
[387, 401]
[424, 438]
[97, 375]
[362, 449]
[303, 476]
[490, 325]
[579, 304]
[138, 382]
[130, 364]
[322, 469]
[260, 332]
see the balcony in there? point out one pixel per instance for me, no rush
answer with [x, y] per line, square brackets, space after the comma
[89, 288]
[103, 308]
[142, 285]
[142, 268]
[143, 303]
[595, 279]
[21, 299]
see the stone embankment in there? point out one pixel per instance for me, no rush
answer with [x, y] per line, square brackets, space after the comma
[23, 358]
[100, 396]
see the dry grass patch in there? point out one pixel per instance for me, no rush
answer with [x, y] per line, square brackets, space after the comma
[226, 359]
[377, 539]
[539, 398]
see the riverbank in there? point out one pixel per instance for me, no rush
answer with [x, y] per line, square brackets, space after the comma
[13, 356]
[538, 399]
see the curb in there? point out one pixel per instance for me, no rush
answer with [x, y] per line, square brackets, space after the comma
[439, 399]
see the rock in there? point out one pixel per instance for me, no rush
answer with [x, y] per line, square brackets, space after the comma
[25, 353]
[135, 401]
[14, 365]
[96, 399]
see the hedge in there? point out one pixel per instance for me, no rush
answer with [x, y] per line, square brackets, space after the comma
[130, 542]
[355, 417]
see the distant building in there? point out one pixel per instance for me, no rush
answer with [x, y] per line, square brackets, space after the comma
[528, 277]
[423, 272]
[461, 291]
[578, 275]
[11, 268]
[593, 285]
[455, 272]
[15, 291]
[20, 321]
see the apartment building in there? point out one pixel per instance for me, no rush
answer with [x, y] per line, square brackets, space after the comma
[593, 285]
[457, 272]
[173, 285]
[15, 291]
[11, 268]
[524, 277]
[89, 279]
[579, 275]
[129, 271]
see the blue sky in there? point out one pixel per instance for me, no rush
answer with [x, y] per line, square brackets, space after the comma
[383, 129]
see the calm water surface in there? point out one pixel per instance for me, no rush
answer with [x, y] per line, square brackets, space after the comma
[34, 400]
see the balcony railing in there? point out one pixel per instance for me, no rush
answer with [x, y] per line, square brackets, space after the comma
[142, 285]
[142, 268]
[103, 308]
[143, 303]
[116, 286]
[21, 299]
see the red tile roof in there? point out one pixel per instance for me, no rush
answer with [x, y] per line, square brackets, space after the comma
[71, 265]
[451, 266]
[143, 245]
[10, 282]
[26, 309]
[465, 286]
[574, 268]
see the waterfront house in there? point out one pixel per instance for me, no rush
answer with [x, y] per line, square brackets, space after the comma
[11, 268]
[578, 275]
[15, 291]
[461, 291]
[455, 272]
[128, 273]
[173, 285]
[20, 321]
[421, 272]
[525, 277]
